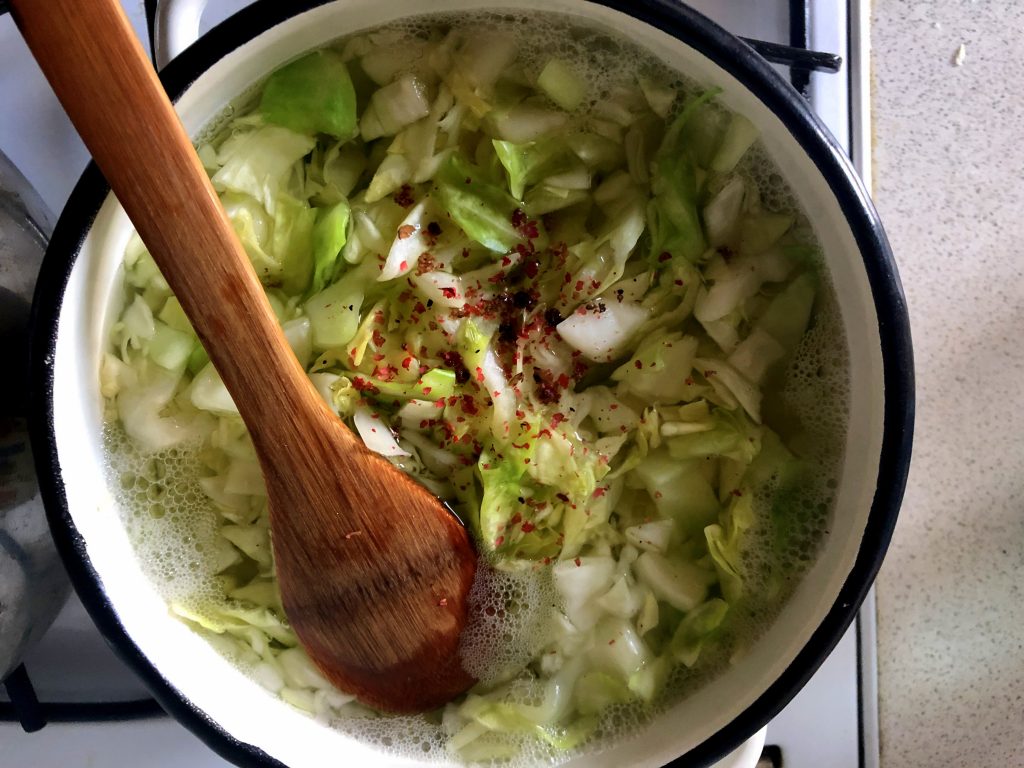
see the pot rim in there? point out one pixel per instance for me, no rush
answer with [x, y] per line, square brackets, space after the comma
[724, 50]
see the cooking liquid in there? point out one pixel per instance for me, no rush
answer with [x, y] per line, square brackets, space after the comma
[174, 526]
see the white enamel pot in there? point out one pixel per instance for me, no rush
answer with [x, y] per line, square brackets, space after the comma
[251, 727]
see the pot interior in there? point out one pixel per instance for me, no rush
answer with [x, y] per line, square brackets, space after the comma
[245, 710]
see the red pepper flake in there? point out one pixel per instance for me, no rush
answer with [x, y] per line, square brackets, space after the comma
[658, 494]
[557, 419]
[437, 403]
[407, 363]
[612, 641]
[517, 518]
[525, 250]
[425, 264]
[547, 561]
[499, 541]
[578, 562]
[600, 491]
[568, 277]
[637, 364]
[362, 385]
[689, 381]
[680, 282]
[579, 285]
[443, 602]
[448, 293]
[454, 361]
[403, 267]
[709, 374]
[532, 267]
[378, 338]
[563, 381]
[469, 405]
[525, 226]
[736, 492]
[350, 534]
[385, 372]
[547, 391]
[404, 196]
[479, 373]
[664, 256]
[528, 527]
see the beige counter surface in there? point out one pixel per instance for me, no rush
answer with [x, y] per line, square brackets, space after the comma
[949, 184]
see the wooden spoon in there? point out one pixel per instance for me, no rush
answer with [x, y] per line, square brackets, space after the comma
[374, 571]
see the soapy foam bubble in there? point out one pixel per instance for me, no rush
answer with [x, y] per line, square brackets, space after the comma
[168, 517]
[510, 621]
[174, 525]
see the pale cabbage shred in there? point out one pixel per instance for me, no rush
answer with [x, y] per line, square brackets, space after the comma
[616, 293]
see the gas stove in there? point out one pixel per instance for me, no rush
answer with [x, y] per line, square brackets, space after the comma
[90, 710]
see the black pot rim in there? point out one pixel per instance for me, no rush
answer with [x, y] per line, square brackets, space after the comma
[755, 74]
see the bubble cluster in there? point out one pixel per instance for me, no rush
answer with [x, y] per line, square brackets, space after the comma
[794, 521]
[818, 382]
[168, 517]
[775, 193]
[818, 390]
[509, 620]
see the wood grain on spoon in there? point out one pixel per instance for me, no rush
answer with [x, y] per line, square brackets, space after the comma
[374, 571]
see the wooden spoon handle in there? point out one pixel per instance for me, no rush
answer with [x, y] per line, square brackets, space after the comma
[374, 574]
[97, 67]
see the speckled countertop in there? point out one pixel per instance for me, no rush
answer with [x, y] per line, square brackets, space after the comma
[949, 183]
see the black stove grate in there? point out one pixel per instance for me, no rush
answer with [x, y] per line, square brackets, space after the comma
[25, 708]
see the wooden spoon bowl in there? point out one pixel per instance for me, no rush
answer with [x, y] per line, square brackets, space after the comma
[374, 571]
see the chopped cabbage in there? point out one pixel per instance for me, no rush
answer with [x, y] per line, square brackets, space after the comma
[566, 312]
